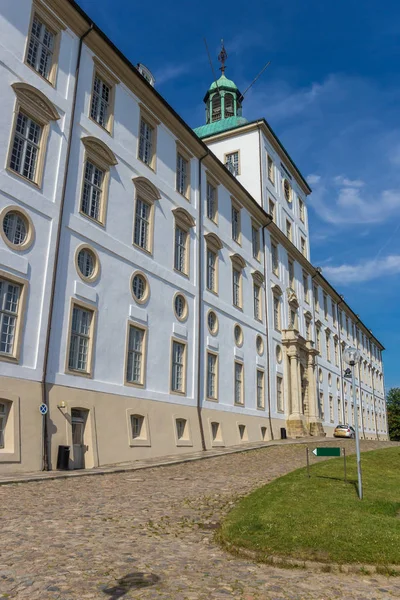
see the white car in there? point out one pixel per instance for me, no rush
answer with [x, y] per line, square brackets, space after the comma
[346, 431]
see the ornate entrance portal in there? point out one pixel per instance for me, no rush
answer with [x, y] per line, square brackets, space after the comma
[303, 418]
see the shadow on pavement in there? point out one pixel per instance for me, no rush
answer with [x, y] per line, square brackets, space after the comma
[132, 581]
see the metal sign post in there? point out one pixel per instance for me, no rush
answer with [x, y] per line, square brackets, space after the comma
[344, 464]
[308, 462]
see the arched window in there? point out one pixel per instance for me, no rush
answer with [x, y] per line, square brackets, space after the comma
[229, 106]
[216, 107]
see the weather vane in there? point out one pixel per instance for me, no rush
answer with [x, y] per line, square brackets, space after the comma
[222, 56]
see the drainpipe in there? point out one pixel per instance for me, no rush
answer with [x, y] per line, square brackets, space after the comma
[315, 341]
[373, 398]
[45, 398]
[359, 389]
[267, 349]
[200, 278]
[339, 322]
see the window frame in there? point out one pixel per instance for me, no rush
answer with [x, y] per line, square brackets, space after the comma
[143, 366]
[301, 210]
[101, 157]
[257, 298]
[93, 325]
[275, 245]
[216, 374]
[14, 357]
[211, 181]
[30, 237]
[235, 206]
[183, 221]
[152, 122]
[289, 229]
[175, 340]
[277, 314]
[255, 237]
[55, 26]
[272, 204]
[241, 364]
[34, 105]
[101, 71]
[231, 153]
[280, 406]
[262, 406]
[146, 192]
[270, 162]
[187, 157]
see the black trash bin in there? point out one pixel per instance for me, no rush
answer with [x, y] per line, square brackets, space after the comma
[63, 458]
[283, 433]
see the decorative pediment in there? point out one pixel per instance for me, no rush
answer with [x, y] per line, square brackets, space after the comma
[318, 323]
[100, 152]
[308, 315]
[277, 290]
[35, 102]
[183, 218]
[146, 190]
[258, 277]
[238, 261]
[336, 338]
[213, 242]
[327, 331]
[292, 299]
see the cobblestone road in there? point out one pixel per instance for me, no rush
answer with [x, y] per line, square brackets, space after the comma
[149, 534]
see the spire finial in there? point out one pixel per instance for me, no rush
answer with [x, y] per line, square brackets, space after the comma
[222, 56]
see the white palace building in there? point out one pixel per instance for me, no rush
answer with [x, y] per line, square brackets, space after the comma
[156, 292]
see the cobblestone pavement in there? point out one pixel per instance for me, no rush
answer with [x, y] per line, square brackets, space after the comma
[149, 534]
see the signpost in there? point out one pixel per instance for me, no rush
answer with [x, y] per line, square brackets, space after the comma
[326, 451]
[43, 409]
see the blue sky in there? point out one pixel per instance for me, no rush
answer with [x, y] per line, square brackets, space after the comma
[332, 95]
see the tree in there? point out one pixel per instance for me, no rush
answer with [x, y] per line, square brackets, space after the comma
[393, 413]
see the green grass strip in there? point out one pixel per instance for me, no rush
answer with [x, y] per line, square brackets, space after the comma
[322, 518]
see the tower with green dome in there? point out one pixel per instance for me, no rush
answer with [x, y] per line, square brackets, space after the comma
[223, 102]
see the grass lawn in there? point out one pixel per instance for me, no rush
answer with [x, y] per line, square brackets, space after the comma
[322, 518]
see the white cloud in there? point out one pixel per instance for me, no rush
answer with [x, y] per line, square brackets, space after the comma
[348, 205]
[313, 179]
[344, 181]
[366, 271]
[171, 72]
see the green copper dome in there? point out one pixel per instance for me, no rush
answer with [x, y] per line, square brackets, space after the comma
[223, 83]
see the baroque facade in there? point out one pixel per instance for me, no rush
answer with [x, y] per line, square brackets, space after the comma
[156, 291]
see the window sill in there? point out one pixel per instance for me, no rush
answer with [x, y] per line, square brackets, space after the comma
[215, 444]
[34, 184]
[78, 373]
[181, 273]
[51, 81]
[9, 358]
[109, 131]
[152, 167]
[148, 252]
[215, 400]
[184, 443]
[139, 442]
[101, 223]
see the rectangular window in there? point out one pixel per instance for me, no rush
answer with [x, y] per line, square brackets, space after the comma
[305, 286]
[10, 294]
[289, 229]
[232, 162]
[141, 235]
[79, 346]
[101, 100]
[336, 353]
[325, 306]
[40, 51]
[316, 299]
[3, 422]
[257, 301]
[178, 367]
[137, 424]
[321, 405]
[92, 193]
[212, 381]
[211, 271]
[236, 285]
[318, 340]
[279, 393]
[26, 147]
[301, 210]
[308, 325]
[291, 273]
[255, 241]
[270, 166]
[303, 246]
[146, 140]
[182, 179]
[331, 417]
[235, 224]
[180, 261]
[328, 348]
[275, 259]
[260, 388]
[211, 202]
[334, 314]
[271, 208]
[134, 367]
[238, 383]
[277, 313]
[292, 318]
